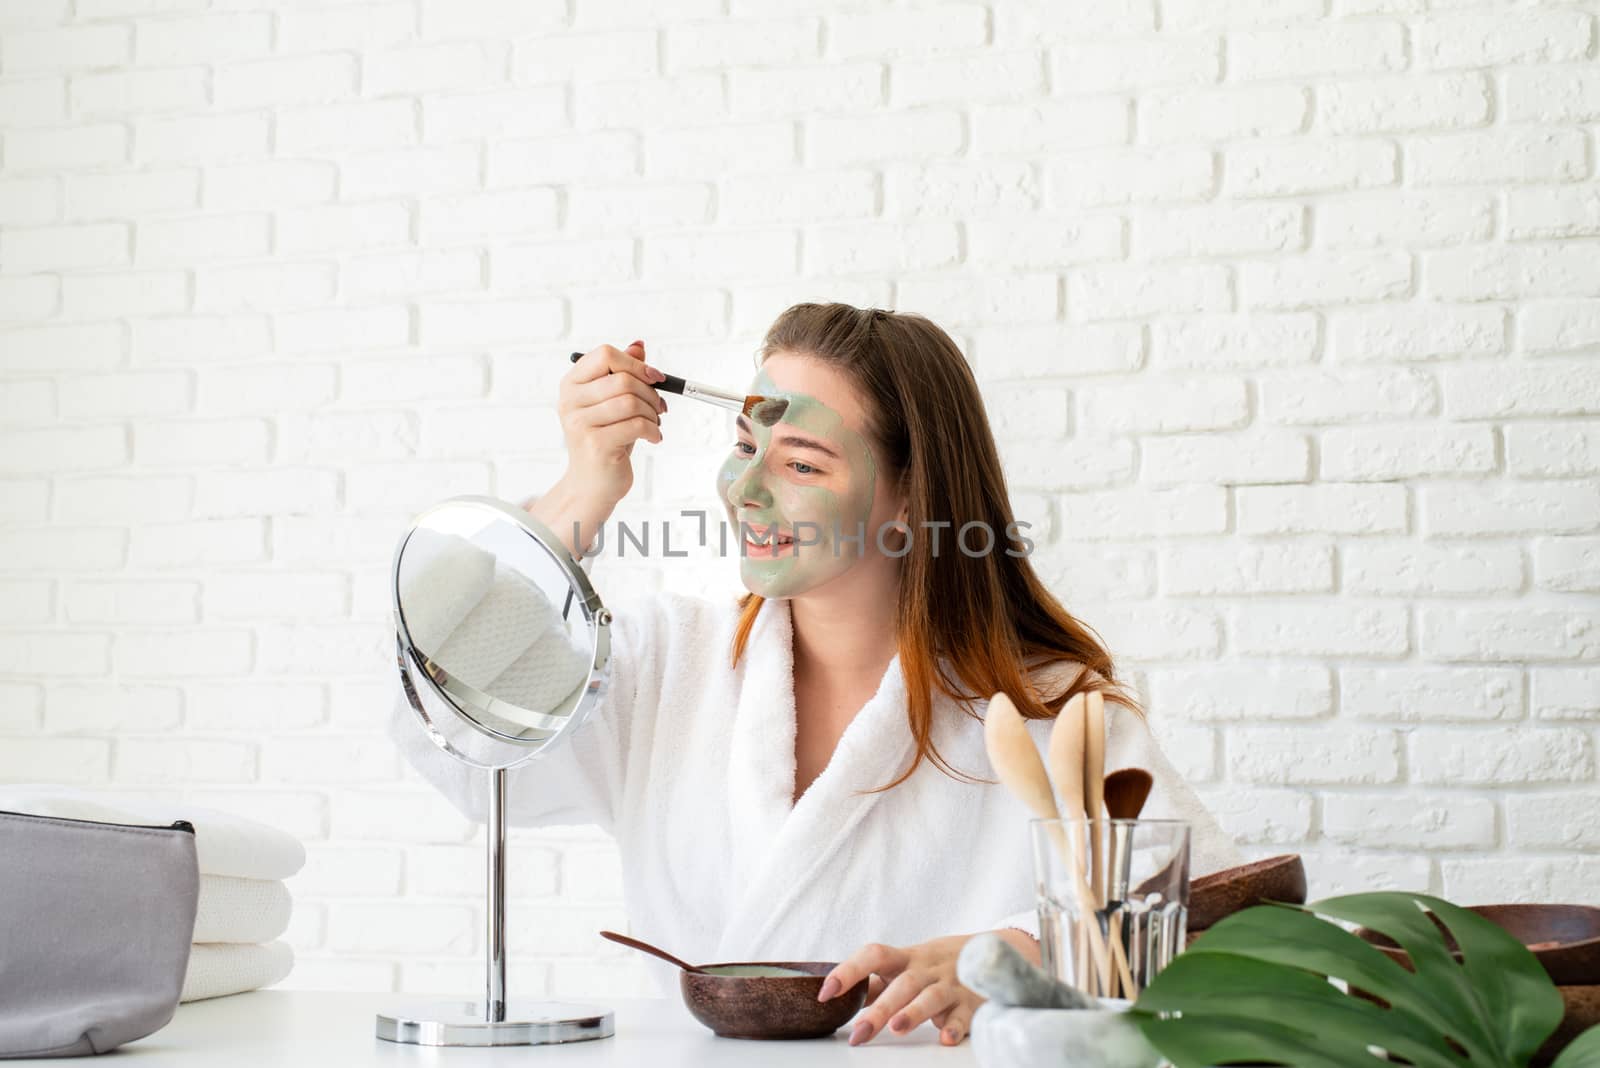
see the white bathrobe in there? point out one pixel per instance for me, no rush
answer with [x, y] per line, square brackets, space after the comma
[690, 764]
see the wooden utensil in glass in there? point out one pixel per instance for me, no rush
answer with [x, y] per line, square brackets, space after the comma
[1065, 755]
[1094, 771]
[1092, 775]
[1016, 760]
[1068, 763]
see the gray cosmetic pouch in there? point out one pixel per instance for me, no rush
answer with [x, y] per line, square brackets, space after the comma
[95, 926]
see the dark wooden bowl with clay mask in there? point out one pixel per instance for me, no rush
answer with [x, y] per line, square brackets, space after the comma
[744, 999]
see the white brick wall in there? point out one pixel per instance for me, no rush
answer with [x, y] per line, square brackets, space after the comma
[1288, 314]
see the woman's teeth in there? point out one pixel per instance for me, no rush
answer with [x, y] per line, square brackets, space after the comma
[765, 541]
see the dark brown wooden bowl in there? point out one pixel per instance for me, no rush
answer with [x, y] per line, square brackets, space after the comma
[1567, 938]
[768, 1007]
[1564, 938]
[1222, 893]
[1582, 1005]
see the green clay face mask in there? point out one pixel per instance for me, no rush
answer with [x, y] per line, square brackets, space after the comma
[823, 502]
[760, 971]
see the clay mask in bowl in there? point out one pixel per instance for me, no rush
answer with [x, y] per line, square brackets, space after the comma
[768, 999]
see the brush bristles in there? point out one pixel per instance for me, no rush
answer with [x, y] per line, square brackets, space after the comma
[765, 410]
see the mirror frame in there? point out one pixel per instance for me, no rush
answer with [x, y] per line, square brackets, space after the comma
[473, 726]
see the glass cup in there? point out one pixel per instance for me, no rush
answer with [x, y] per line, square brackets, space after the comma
[1113, 900]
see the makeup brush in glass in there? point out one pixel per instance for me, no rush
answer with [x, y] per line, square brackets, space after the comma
[771, 408]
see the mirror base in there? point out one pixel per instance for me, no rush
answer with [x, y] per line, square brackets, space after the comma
[464, 1023]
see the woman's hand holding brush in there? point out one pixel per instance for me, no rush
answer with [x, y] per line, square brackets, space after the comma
[607, 402]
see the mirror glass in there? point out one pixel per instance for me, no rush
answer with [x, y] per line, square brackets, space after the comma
[503, 643]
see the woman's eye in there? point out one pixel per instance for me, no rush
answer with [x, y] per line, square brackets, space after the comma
[741, 446]
[809, 470]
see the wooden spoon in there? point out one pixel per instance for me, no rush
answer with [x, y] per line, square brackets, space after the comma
[1015, 759]
[654, 951]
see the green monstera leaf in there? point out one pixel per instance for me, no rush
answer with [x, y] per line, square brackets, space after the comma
[1255, 989]
[1582, 1052]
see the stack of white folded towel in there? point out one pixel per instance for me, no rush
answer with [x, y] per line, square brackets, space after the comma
[244, 905]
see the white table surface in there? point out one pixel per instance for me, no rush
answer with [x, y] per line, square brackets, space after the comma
[308, 1029]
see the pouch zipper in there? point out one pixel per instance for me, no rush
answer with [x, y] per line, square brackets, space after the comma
[175, 825]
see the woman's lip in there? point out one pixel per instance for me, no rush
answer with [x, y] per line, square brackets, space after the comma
[753, 548]
[763, 533]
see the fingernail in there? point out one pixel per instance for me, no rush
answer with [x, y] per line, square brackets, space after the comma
[949, 1034]
[897, 1024]
[661, 376]
[861, 1032]
[830, 987]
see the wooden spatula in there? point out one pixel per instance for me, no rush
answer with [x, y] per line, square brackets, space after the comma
[1094, 776]
[1066, 756]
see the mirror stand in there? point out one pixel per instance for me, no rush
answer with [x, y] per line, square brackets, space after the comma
[494, 1021]
[473, 545]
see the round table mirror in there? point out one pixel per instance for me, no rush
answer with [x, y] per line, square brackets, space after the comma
[503, 647]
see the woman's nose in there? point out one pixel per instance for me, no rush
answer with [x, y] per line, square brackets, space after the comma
[750, 488]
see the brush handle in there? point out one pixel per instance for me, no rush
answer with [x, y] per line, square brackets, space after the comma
[670, 384]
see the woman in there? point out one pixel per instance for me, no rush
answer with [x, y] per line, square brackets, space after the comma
[800, 774]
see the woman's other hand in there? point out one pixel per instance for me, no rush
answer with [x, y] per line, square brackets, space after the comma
[909, 985]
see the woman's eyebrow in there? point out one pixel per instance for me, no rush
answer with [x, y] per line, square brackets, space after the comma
[794, 439]
[809, 443]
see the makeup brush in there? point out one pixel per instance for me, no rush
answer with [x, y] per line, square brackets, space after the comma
[764, 410]
[1126, 792]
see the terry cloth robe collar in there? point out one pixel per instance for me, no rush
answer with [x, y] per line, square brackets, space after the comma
[781, 847]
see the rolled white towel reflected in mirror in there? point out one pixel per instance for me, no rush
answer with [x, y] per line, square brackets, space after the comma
[489, 625]
[444, 578]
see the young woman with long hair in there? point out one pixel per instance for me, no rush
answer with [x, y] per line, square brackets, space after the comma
[799, 773]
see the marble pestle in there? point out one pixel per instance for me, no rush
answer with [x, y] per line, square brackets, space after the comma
[992, 967]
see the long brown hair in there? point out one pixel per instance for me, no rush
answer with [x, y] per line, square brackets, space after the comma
[988, 616]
